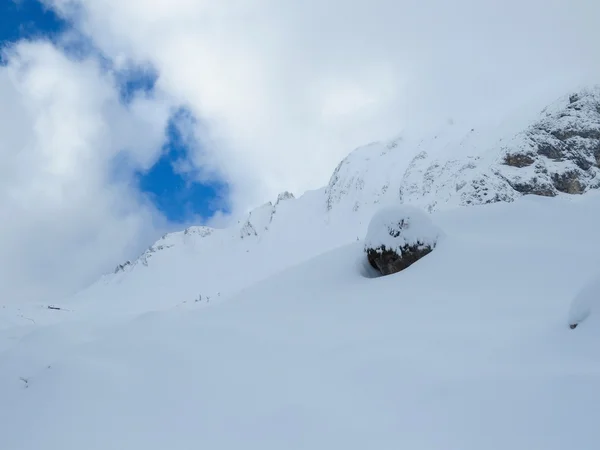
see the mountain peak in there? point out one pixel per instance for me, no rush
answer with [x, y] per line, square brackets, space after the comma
[556, 153]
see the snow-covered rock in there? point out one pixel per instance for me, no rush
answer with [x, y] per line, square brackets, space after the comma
[258, 221]
[560, 153]
[398, 236]
[283, 197]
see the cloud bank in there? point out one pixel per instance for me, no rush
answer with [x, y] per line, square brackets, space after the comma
[64, 217]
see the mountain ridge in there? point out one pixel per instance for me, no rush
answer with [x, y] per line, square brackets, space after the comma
[557, 153]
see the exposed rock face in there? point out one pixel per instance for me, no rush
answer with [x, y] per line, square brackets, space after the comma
[557, 154]
[398, 237]
[561, 151]
[518, 160]
[568, 182]
[284, 196]
[389, 261]
[255, 225]
[383, 174]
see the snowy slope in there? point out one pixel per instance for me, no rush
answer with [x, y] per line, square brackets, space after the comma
[275, 333]
[467, 349]
[553, 154]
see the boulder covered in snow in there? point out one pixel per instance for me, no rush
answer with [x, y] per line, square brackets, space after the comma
[399, 236]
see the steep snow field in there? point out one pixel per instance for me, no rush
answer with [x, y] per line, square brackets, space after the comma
[468, 348]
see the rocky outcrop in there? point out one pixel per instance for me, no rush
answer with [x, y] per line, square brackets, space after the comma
[283, 197]
[388, 262]
[167, 241]
[559, 153]
[518, 160]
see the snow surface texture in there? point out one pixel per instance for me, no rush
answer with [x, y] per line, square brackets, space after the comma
[467, 350]
[586, 302]
[396, 227]
[275, 334]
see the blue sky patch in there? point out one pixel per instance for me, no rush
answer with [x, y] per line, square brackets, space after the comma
[27, 19]
[136, 80]
[180, 197]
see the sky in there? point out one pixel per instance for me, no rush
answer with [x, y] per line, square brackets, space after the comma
[123, 120]
[174, 196]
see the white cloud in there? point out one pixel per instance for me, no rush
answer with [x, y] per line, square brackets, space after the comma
[63, 218]
[288, 88]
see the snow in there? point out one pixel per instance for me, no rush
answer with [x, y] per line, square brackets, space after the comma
[395, 227]
[467, 350]
[275, 333]
[584, 304]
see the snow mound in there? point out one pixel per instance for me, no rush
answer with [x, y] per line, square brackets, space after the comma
[397, 227]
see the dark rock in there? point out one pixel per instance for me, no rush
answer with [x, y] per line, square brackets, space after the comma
[534, 188]
[568, 182]
[121, 267]
[570, 133]
[596, 153]
[550, 151]
[573, 326]
[518, 160]
[398, 236]
[388, 261]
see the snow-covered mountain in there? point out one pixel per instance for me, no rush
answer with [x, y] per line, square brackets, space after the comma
[276, 333]
[556, 153]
